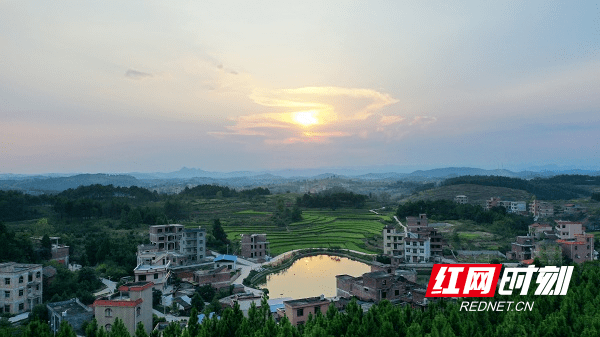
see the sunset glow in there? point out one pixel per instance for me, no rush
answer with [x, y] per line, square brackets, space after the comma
[306, 118]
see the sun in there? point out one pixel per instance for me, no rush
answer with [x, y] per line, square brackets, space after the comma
[306, 118]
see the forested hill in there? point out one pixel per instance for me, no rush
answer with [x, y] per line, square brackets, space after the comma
[554, 188]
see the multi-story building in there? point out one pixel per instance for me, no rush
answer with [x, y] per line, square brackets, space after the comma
[422, 244]
[72, 311]
[522, 249]
[297, 311]
[579, 249]
[518, 207]
[393, 243]
[461, 199]
[541, 209]
[417, 247]
[417, 221]
[20, 287]
[170, 246]
[567, 230]
[132, 304]
[254, 246]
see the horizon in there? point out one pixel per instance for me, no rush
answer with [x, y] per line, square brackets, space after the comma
[314, 171]
[149, 86]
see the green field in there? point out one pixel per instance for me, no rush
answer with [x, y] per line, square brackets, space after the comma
[345, 228]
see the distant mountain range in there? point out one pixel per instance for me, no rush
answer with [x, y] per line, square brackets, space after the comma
[56, 182]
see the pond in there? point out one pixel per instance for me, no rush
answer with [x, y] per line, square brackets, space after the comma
[312, 276]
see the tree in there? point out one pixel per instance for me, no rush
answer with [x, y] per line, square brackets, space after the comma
[66, 330]
[140, 331]
[37, 328]
[219, 232]
[197, 302]
[91, 330]
[46, 252]
[118, 329]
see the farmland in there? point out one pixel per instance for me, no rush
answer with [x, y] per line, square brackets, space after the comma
[347, 229]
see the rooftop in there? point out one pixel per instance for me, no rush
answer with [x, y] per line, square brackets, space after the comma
[225, 258]
[71, 307]
[13, 267]
[376, 274]
[305, 301]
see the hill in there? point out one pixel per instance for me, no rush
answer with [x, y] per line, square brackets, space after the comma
[477, 194]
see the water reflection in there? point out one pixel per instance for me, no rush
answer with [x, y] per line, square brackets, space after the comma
[312, 276]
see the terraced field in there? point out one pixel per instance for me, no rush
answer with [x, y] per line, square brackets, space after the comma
[319, 229]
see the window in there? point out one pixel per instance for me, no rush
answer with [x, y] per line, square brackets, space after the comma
[300, 312]
[7, 308]
[317, 309]
[21, 279]
[384, 282]
[21, 306]
[7, 280]
[138, 311]
[30, 277]
[397, 292]
[7, 294]
[383, 294]
[107, 327]
[155, 276]
[142, 278]
[20, 292]
[38, 274]
[108, 312]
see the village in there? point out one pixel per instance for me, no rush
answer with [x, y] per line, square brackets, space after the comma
[176, 262]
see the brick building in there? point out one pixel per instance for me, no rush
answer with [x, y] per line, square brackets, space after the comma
[132, 304]
[297, 311]
[20, 287]
[374, 286]
[522, 249]
[417, 221]
[254, 246]
[218, 278]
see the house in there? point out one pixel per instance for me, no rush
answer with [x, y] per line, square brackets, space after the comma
[374, 286]
[539, 230]
[230, 261]
[132, 304]
[254, 246]
[461, 199]
[541, 209]
[60, 252]
[297, 311]
[579, 249]
[414, 221]
[393, 243]
[218, 278]
[72, 311]
[567, 230]
[21, 285]
[170, 246]
[522, 249]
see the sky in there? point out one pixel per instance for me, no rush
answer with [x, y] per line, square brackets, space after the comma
[149, 86]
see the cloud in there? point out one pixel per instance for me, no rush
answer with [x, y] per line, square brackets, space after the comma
[319, 115]
[136, 75]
